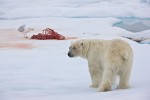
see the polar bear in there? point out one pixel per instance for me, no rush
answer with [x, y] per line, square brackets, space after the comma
[106, 60]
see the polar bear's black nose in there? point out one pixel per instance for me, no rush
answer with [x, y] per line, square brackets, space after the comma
[70, 55]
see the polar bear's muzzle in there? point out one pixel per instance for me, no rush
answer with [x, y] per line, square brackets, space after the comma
[70, 54]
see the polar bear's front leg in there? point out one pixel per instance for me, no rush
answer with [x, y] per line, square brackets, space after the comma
[96, 76]
[94, 79]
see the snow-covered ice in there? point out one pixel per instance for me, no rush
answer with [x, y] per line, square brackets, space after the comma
[43, 71]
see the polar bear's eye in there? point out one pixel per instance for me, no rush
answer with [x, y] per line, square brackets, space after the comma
[74, 48]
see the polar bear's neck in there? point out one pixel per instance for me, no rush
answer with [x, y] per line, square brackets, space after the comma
[86, 48]
[91, 46]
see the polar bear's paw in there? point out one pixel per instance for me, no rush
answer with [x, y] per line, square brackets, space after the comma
[104, 88]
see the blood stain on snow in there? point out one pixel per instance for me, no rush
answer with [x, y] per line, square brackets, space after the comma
[17, 45]
[10, 38]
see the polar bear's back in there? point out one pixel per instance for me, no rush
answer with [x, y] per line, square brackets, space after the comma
[114, 46]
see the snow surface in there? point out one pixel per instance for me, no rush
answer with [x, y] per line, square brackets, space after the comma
[45, 72]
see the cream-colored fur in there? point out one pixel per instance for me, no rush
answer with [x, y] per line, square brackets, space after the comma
[106, 59]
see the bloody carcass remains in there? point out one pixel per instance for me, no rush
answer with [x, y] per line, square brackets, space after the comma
[48, 34]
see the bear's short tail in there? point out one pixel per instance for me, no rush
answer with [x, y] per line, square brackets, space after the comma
[125, 56]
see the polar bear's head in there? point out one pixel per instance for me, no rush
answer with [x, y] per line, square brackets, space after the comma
[78, 48]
